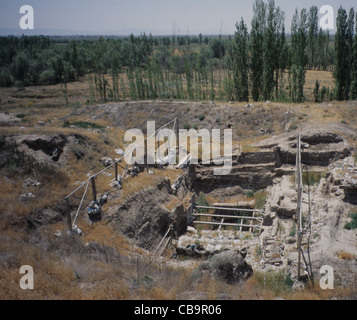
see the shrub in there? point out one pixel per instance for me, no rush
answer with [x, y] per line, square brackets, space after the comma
[6, 79]
[83, 125]
[312, 178]
[260, 198]
[47, 77]
[293, 231]
[324, 91]
[353, 223]
[250, 193]
[202, 201]
[316, 91]
[201, 117]
[276, 282]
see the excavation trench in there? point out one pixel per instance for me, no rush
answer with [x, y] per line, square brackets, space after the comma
[146, 217]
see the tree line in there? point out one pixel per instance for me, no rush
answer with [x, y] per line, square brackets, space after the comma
[263, 63]
[268, 66]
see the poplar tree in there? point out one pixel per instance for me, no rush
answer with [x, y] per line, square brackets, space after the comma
[299, 58]
[341, 63]
[269, 52]
[283, 62]
[312, 36]
[271, 48]
[323, 52]
[240, 62]
[349, 40]
[256, 49]
[353, 93]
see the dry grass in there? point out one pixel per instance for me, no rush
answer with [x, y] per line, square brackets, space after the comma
[316, 293]
[247, 145]
[52, 279]
[345, 255]
[47, 194]
[172, 204]
[325, 78]
[105, 234]
[63, 270]
[42, 97]
[254, 289]
[144, 181]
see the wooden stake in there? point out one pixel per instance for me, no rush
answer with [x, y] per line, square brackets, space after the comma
[94, 191]
[146, 154]
[299, 201]
[116, 172]
[177, 140]
[68, 214]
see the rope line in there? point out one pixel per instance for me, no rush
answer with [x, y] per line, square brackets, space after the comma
[80, 205]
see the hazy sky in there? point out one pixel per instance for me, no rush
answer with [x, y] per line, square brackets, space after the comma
[151, 16]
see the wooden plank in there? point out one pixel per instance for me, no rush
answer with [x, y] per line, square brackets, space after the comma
[229, 209]
[225, 216]
[162, 240]
[165, 246]
[220, 227]
[227, 224]
[240, 204]
[252, 217]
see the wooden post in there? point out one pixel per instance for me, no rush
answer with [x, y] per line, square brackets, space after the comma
[251, 229]
[116, 171]
[299, 201]
[68, 214]
[177, 141]
[146, 165]
[94, 191]
[172, 233]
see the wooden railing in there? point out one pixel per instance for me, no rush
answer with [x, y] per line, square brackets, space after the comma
[241, 218]
[119, 178]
